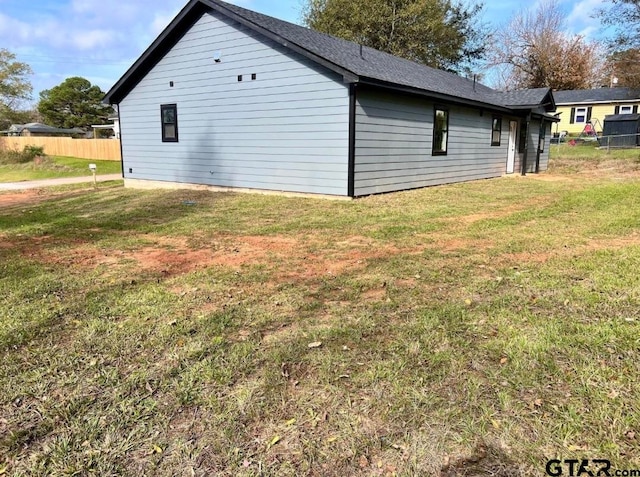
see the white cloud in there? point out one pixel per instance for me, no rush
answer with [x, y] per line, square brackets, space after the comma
[582, 19]
[92, 39]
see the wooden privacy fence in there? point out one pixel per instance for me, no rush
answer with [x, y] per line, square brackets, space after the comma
[105, 149]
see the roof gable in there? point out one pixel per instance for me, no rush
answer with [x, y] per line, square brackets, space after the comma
[356, 63]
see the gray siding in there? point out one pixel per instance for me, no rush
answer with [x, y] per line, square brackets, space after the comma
[394, 142]
[534, 131]
[544, 155]
[287, 130]
[534, 144]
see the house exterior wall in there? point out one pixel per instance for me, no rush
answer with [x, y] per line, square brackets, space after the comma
[394, 142]
[544, 155]
[598, 112]
[286, 130]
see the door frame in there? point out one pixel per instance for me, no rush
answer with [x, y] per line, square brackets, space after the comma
[511, 148]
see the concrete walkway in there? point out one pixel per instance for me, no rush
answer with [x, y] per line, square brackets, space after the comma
[56, 182]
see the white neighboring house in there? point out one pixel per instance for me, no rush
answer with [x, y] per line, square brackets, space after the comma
[115, 127]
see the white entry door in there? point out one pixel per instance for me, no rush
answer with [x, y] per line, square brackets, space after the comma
[511, 155]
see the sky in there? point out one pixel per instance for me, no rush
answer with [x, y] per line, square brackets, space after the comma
[100, 39]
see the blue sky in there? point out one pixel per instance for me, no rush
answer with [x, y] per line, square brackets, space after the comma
[100, 39]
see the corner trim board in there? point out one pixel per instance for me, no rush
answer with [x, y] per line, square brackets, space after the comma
[120, 139]
[352, 141]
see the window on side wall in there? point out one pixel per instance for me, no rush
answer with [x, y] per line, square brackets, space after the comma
[496, 131]
[169, 118]
[581, 115]
[440, 132]
[626, 109]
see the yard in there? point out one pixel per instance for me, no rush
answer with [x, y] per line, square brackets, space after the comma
[472, 329]
[55, 166]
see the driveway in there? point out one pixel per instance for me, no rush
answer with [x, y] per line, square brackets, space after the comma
[56, 182]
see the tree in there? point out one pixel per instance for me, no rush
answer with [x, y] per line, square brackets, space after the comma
[624, 68]
[15, 88]
[75, 103]
[443, 34]
[624, 16]
[624, 44]
[533, 51]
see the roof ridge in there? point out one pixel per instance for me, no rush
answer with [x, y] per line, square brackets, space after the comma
[354, 62]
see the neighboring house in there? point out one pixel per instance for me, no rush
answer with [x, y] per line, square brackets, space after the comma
[39, 129]
[577, 108]
[232, 98]
[114, 126]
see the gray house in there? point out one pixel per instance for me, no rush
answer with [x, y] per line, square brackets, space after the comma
[231, 98]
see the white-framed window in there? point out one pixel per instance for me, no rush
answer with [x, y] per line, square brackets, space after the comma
[581, 115]
[626, 109]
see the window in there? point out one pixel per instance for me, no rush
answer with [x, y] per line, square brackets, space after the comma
[626, 109]
[440, 132]
[169, 117]
[496, 131]
[581, 115]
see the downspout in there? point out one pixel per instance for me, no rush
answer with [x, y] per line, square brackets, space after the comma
[526, 145]
[352, 141]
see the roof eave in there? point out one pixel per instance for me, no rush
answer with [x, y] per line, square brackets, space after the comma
[610, 101]
[180, 25]
[152, 55]
[349, 76]
[434, 95]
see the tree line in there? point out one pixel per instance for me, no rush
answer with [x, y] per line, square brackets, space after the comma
[532, 50]
[75, 103]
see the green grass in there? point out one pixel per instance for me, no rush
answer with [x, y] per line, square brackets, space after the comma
[54, 167]
[471, 329]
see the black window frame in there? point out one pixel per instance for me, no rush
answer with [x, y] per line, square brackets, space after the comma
[435, 152]
[169, 107]
[496, 120]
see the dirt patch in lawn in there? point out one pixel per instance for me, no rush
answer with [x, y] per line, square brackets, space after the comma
[288, 258]
[173, 256]
[29, 196]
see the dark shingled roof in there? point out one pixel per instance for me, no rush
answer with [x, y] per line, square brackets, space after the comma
[522, 98]
[42, 129]
[578, 96]
[355, 62]
[622, 117]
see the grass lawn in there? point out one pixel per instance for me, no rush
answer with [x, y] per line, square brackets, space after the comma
[54, 167]
[471, 329]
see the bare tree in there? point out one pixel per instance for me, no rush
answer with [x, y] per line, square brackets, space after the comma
[623, 68]
[534, 51]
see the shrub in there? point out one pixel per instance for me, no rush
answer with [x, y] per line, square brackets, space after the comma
[32, 152]
[28, 154]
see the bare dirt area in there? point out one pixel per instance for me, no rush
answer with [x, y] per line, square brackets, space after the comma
[30, 196]
[173, 256]
[289, 258]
